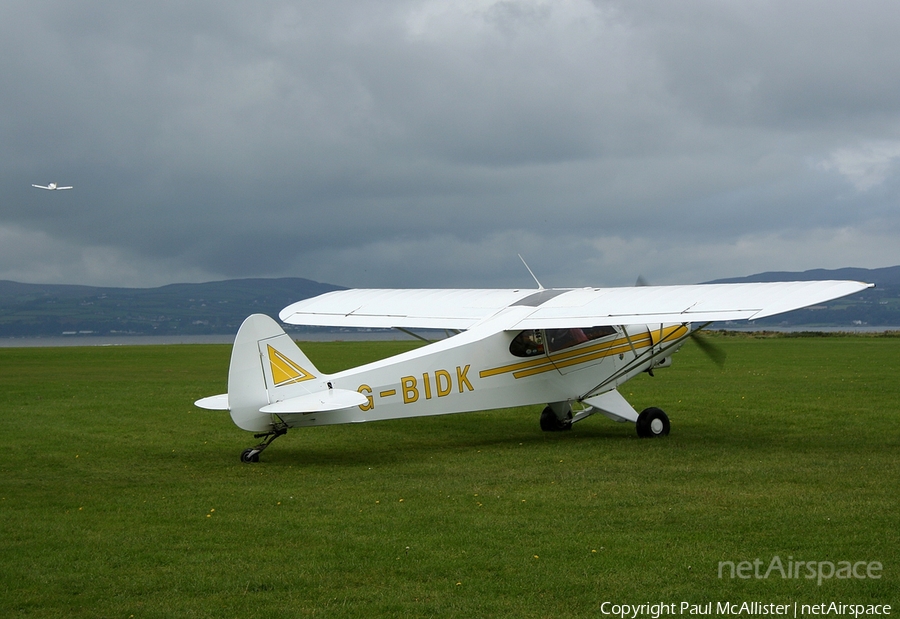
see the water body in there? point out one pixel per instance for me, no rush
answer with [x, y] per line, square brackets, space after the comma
[342, 336]
[149, 340]
[802, 329]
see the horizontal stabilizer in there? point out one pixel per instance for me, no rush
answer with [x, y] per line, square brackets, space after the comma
[214, 402]
[318, 402]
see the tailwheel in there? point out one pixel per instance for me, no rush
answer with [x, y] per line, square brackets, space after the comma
[652, 422]
[251, 454]
[551, 422]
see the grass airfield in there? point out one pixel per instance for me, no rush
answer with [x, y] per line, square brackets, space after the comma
[118, 498]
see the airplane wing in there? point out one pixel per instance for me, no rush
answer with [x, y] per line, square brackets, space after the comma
[562, 308]
[409, 309]
[671, 304]
[61, 188]
[39, 186]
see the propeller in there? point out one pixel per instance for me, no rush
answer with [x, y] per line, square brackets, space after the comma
[715, 353]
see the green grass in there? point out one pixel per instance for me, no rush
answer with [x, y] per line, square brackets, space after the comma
[119, 498]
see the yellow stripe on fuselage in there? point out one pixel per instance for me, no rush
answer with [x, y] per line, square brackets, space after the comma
[577, 356]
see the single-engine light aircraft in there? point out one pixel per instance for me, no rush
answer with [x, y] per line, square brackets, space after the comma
[51, 187]
[568, 348]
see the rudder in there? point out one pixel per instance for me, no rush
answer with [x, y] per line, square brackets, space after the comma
[266, 366]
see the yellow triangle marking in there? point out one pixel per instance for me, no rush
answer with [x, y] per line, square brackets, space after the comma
[284, 370]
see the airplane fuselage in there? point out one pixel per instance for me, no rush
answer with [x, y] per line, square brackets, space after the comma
[476, 370]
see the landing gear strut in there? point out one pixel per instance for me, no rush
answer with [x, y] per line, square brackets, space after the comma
[251, 454]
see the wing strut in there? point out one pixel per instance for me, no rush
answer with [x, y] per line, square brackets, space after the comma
[628, 337]
[415, 335]
[638, 359]
[447, 332]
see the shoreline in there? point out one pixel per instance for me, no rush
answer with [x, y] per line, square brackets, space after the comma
[58, 341]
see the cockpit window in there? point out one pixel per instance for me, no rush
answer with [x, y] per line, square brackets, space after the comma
[560, 339]
[531, 343]
[527, 344]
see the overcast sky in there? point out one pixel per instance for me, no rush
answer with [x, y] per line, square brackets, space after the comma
[425, 144]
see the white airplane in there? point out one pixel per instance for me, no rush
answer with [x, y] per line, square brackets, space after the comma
[569, 348]
[51, 187]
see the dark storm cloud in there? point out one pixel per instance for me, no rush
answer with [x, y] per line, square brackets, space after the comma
[425, 144]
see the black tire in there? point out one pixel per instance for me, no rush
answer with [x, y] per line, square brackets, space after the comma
[551, 423]
[248, 455]
[652, 422]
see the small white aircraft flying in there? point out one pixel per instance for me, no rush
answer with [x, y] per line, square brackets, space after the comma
[569, 348]
[51, 187]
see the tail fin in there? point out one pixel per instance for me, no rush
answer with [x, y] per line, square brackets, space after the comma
[266, 367]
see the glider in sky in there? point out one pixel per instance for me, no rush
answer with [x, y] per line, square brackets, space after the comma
[51, 187]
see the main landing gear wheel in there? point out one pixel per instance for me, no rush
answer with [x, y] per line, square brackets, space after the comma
[551, 423]
[652, 422]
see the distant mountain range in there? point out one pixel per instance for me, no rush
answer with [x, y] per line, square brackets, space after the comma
[32, 310]
[888, 277]
[874, 308]
[35, 310]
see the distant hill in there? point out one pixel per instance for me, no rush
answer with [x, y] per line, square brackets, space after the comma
[29, 310]
[888, 277]
[876, 308]
[32, 310]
